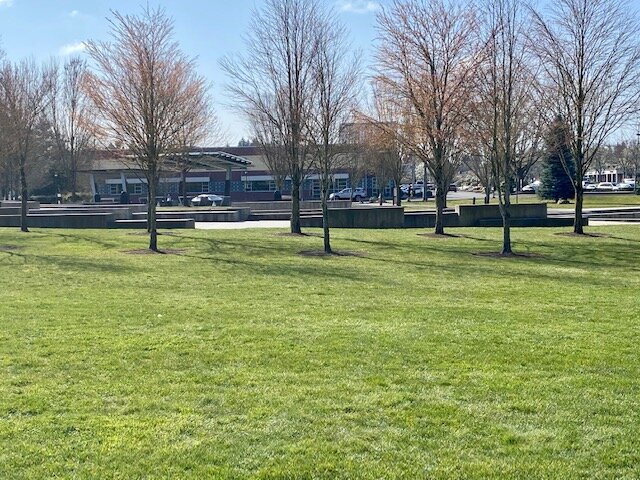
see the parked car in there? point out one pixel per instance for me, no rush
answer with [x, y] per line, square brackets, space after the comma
[206, 200]
[606, 186]
[625, 187]
[358, 194]
[453, 187]
[591, 186]
[531, 188]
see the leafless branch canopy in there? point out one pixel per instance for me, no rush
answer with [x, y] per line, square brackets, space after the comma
[590, 53]
[146, 91]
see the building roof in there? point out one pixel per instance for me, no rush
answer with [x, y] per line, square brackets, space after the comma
[216, 159]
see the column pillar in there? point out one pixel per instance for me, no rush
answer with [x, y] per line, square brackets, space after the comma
[227, 183]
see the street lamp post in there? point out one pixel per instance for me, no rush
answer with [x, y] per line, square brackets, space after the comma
[57, 187]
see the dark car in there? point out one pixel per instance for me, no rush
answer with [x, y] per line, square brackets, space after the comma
[453, 187]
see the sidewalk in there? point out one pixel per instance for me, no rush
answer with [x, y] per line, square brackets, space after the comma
[242, 225]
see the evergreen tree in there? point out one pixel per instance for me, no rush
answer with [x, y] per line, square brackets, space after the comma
[558, 166]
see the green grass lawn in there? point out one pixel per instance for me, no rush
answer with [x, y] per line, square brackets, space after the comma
[240, 358]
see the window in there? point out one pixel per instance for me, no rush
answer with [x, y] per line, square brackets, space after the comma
[261, 186]
[136, 189]
[172, 187]
[340, 183]
[114, 188]
[315, 189]
[198, 187]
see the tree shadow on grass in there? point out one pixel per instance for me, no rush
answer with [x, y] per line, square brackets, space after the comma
[334, 254]
[297, 235]
[512, 255]
[77, 238]
[439, 236]
[163, 251]
[69, 263]
[262, 264]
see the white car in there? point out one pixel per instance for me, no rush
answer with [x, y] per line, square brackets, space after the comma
[357, 195]
[626, 186]
[207, 200]
[606, 186]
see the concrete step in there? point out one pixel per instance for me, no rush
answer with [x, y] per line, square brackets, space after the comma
[160, 223]
[532, 222]
[201, 215]
[69, 220]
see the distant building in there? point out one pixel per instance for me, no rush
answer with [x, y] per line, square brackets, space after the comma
[238, 172]
[612, 175]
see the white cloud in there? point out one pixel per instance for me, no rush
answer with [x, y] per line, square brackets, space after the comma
[74, 13]
[71, 48]
[358, 6]
[6, 3]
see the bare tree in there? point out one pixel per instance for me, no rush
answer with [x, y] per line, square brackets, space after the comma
[591, 59]
[273, 82]
[202, 126]
[272, 145]
[504, 86]
[380, 162]
[146, 92]
[387, 129]
[335, 91]
[71, 119]
[6, 170]
[353, 161]
[529, 138]
[630, 157]
[427, 60]
[25, 91]
[481, 169]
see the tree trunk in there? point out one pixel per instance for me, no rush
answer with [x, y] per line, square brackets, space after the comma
[24, 207]
[577, 222]
[150, 200]
[398, 195]
[325, 220]
[74, 183]
[295, 206]
[506, 235]
[505, 211]
[441, 195]
[151, 215]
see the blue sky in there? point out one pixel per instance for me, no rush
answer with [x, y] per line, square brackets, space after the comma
[205, 29]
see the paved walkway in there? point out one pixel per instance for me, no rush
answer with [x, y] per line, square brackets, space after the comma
[601, 223]
[243, 225]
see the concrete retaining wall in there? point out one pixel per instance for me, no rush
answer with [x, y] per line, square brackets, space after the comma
[362, 217]
[470, 215]
[160, 223]
[428, 219]
[532, 222]
[73, 220]
[230, 215]
[9, 210]
[17, 204]
[286, 205]
[118, 213]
